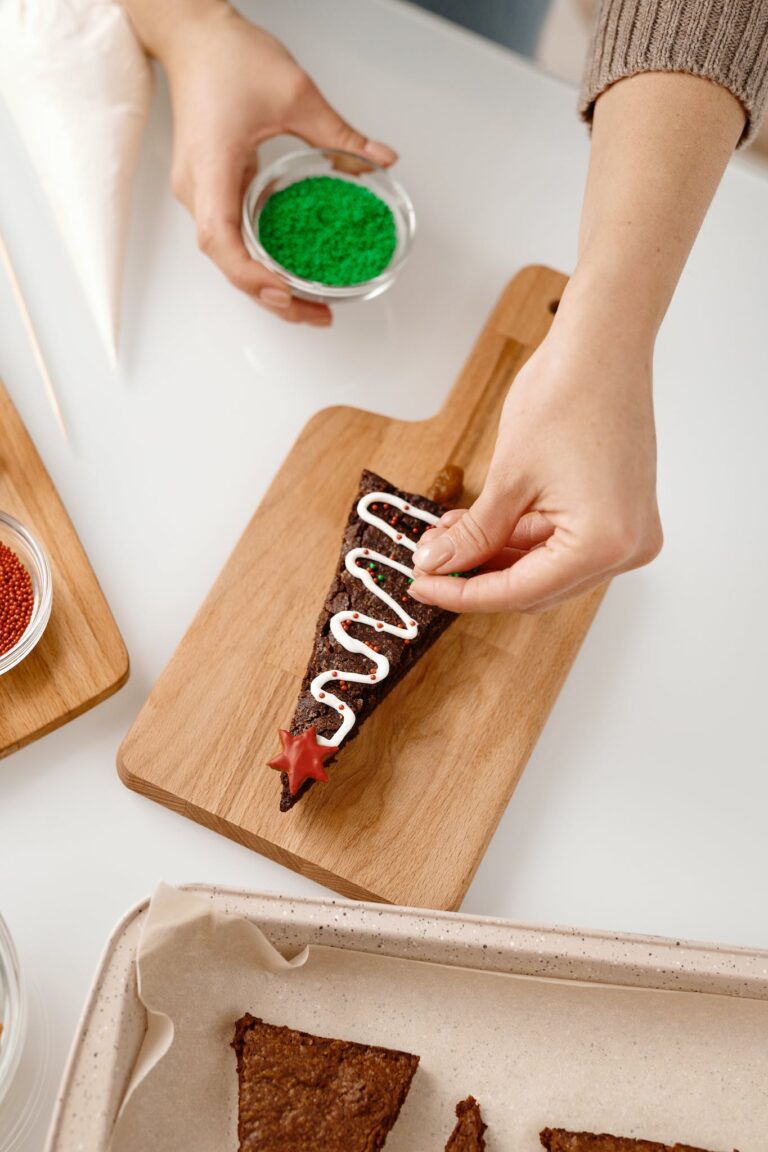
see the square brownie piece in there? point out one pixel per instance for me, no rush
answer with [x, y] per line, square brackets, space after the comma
[305, 1093]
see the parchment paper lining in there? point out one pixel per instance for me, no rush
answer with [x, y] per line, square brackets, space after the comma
[669, 1066]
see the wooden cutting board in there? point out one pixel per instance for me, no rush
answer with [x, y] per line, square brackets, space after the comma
[81, 658]
[414, 800]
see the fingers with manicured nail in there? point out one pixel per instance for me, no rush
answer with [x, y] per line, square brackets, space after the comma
[434, 553]
[534, 581]
[471, 538]
[322, 127]
[275, 297]
[380, 153]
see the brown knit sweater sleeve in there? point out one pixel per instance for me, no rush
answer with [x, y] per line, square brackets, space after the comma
[723, 40]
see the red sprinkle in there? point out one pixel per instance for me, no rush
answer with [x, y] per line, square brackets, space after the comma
[17, 599]
[379, 625]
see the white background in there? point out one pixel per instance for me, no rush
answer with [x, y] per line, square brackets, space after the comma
[643, 806]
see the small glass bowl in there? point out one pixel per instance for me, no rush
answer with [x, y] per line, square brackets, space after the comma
[13, 1010]
[342, 166]
[32, 555]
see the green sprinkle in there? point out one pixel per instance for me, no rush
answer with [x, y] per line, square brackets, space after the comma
[328, 230]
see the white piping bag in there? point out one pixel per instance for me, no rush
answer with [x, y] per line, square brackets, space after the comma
[78, 85]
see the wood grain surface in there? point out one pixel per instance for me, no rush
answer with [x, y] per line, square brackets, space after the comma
[414, 801]
[81, 658]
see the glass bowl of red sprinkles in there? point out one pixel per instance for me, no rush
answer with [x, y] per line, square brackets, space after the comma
[26, 591]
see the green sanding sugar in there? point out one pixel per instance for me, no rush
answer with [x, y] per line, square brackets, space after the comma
[328, 230]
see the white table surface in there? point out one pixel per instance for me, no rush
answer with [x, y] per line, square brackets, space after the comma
[643, 806]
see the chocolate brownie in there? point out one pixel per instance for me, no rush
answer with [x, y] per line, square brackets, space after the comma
[347, 593]
[304, 1093]
[558, 1140]
[467, 1136]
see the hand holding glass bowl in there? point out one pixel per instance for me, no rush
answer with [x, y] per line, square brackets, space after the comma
[358, 172]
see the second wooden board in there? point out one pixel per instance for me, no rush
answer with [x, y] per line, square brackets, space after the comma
[414, 801]
[81, 658]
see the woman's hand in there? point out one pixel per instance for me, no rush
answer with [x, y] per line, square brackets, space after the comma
[570, 497]
[233, 86]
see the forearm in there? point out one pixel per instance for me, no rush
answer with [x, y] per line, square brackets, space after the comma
[660, 144]
[570, 498]
[159, 25]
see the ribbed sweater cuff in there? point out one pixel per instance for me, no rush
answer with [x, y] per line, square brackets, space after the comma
[725, 41]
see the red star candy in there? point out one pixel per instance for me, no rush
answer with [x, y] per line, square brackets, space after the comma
[301, 758]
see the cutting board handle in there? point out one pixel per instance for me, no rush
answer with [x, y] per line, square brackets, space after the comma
[518, 324]
[528, 304]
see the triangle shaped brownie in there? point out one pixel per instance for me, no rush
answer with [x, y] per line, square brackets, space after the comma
[303, 1093]
[369, 634]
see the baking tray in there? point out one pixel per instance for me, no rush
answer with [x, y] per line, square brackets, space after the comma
[112, 1027]
[81, 659]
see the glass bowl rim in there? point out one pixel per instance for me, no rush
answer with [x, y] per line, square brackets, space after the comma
[330, 291]
[16, 1024]
[41, 615]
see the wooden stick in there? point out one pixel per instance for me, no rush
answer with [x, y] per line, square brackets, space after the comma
[37, 352]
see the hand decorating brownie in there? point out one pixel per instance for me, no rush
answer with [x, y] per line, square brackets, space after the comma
[370, 632]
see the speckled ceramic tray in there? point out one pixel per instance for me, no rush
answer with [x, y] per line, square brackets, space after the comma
[113, 1024]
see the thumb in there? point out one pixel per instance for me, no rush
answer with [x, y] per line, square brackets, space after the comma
[480, 534]
[322, 127]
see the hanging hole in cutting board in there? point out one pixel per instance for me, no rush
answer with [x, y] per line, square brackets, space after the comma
[553, 304]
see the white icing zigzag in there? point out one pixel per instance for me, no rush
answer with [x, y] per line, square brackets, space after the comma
[407, 630]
